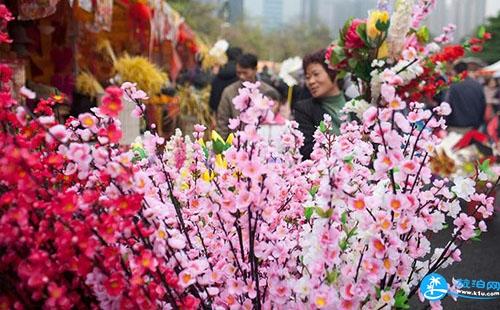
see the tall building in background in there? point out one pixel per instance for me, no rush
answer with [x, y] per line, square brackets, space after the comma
[273, 14]
[235, 11]
[229, 10]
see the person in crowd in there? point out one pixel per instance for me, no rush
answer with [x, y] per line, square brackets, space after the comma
[265, 76]
[246, 69]
[272, 130]
[467, 102]
[490, 94]
[327, 98]
[225, 77]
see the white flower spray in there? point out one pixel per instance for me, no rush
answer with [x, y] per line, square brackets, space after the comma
[400, 25]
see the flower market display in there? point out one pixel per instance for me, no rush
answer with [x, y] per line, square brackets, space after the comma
[194, 223]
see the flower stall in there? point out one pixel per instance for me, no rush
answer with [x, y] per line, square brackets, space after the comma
[70, 48]
[195, 223]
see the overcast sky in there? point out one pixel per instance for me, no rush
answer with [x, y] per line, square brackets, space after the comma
[492, 7]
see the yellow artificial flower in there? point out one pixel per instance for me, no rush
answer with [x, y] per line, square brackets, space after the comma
[383, 50]
[208, 176]
[230, 138]
[201, 142]
[184, 173]
[371, 24]
[216, 136]
[220, 161]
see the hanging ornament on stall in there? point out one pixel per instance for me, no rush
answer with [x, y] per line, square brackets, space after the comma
[36, 9]
[140, 16]
[103, 15]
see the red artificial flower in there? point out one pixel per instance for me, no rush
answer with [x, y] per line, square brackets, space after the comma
[114, 91]
[112, 132]
[171, 277]
[147, 261]
[487, 36]
[5, 73]
[190, 303]
[474, 41]
[67, 204]
[115, 284]
[476, 48]
[328, 54]
[111, 106]
[126, 205]
[352, 39]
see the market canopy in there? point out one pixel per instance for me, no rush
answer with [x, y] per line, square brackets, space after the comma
[492, 68]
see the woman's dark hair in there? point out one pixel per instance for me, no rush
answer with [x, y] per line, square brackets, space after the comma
[318, 57]
[248, 61]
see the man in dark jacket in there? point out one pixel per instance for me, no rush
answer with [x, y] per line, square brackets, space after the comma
[467, 103]
[247, 72]
[225, 77]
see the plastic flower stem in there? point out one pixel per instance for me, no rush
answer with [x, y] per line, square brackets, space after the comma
[391, 172]
[408, 140]
[418, 173]
[407, 66]
[289, 97]
[359, 263]
[176, 204]
[420, 134]
[240, 235]
[238, 265]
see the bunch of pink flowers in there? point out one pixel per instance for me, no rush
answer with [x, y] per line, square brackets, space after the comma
[228, 224]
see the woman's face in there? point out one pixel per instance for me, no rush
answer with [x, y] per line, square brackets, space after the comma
[318, 82]
[492, 83]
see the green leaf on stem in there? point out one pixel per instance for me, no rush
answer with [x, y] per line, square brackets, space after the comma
[477, 234]
[343, 244]
[484, 166]
[218, 146]
[332, 276]
[348, 159]
[382, 26]
[423, 34]
[205, 151]
[401, 300]
[322, 127]
[343, 218]
[314, 190]
[324, 214]
[481, 31]
[361, 31]
[308, 212]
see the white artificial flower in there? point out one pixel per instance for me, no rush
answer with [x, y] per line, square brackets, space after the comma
[356, 106]
[288, 67]
[378, 63]
[482, 176]
[432, 48]
[463, 188]
[400, 25]
[28, 93]
[220, 47]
